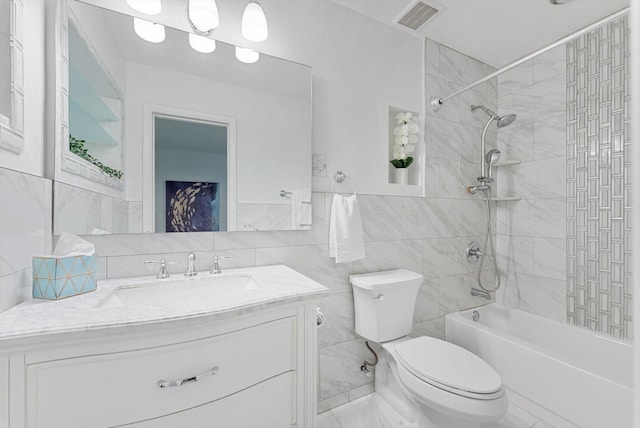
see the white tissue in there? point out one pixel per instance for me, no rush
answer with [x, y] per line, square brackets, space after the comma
[71, 245]
[97, 231]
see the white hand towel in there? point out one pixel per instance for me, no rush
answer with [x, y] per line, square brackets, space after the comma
[301, 209]
[346, 242]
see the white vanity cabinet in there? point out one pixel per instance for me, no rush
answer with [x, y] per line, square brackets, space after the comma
[256, 369]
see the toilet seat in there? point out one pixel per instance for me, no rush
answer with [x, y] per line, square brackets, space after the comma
[449, 367]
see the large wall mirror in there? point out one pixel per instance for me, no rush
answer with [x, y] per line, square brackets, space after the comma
[194, 141]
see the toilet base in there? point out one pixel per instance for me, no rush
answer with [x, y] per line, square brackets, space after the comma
[400, 409]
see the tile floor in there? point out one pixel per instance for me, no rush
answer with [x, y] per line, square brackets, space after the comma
[364, 413]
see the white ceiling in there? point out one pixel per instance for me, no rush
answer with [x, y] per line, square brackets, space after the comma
[496, 32]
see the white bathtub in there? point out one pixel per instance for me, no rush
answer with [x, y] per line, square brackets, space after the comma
[580, 377]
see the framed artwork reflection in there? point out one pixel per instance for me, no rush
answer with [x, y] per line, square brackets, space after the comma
[192, 206]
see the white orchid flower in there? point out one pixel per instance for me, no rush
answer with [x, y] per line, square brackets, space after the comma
[399, 154]
[405, 137]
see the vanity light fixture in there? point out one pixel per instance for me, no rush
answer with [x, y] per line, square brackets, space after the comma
[149, 7]
[149, 31]
[201, 43]
[248, 56]
[254, 23]
[203, 16]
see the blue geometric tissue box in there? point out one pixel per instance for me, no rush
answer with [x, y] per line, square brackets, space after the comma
[59, 277]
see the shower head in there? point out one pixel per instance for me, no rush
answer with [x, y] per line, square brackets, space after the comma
[492, 156]
[501, 121]
[505, 120]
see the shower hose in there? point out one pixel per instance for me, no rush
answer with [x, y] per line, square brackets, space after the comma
[488, 239]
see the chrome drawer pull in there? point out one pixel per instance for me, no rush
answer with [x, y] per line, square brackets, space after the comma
[178, 382]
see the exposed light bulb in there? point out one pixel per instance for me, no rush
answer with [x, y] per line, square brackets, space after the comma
[203, 15]
[254, 23]
[201, 43]
[248, 56]
[149, 31]
[149, 7]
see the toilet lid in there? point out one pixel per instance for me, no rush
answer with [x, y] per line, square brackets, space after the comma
[380, 280]
[439, 362]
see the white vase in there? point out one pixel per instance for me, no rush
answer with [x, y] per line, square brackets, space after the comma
[401, 176]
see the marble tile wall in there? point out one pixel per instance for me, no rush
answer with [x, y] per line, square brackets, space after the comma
[103, 213]
[599, 291]
[531, 232]
[565, 245]
[25, 231]
[135, 216]
[264, 216]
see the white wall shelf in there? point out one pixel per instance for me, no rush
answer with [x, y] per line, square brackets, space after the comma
[506, 198]
[506, 163]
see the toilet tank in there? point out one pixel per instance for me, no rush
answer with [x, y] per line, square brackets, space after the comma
[384, 303]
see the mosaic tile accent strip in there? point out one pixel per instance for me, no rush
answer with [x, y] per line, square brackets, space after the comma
[599, 293]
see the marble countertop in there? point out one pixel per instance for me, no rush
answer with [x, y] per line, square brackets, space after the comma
[34, 318]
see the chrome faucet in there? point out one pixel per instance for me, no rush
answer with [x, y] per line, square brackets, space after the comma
[163, 272]
[215, 270]
[191, 268]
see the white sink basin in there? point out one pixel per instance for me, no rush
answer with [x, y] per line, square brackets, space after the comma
[195, 290]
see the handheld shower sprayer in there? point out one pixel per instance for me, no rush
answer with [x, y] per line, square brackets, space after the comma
[491, 157]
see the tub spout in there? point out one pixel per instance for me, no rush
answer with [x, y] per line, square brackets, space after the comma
[480, 293]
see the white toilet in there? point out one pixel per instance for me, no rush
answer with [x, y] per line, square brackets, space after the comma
[421, 382]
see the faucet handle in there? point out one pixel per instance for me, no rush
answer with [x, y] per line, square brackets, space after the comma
[163, 272]
[191, 268]
[216, 264]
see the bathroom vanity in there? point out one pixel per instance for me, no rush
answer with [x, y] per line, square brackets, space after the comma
[240, 353]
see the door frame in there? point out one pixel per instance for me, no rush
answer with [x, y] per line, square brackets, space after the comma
[150, 112]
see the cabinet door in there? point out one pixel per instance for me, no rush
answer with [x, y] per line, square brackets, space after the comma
[124, 387]
[266, 405]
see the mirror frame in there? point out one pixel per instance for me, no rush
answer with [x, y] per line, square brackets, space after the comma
[12, 133]
[66, 161]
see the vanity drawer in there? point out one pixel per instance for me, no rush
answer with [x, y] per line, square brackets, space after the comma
[270, 404]
[121, 388]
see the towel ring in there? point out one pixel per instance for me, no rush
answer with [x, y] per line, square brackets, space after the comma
[339, 178]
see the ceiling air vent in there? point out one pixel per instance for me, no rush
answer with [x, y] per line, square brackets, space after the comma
[417, 15]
